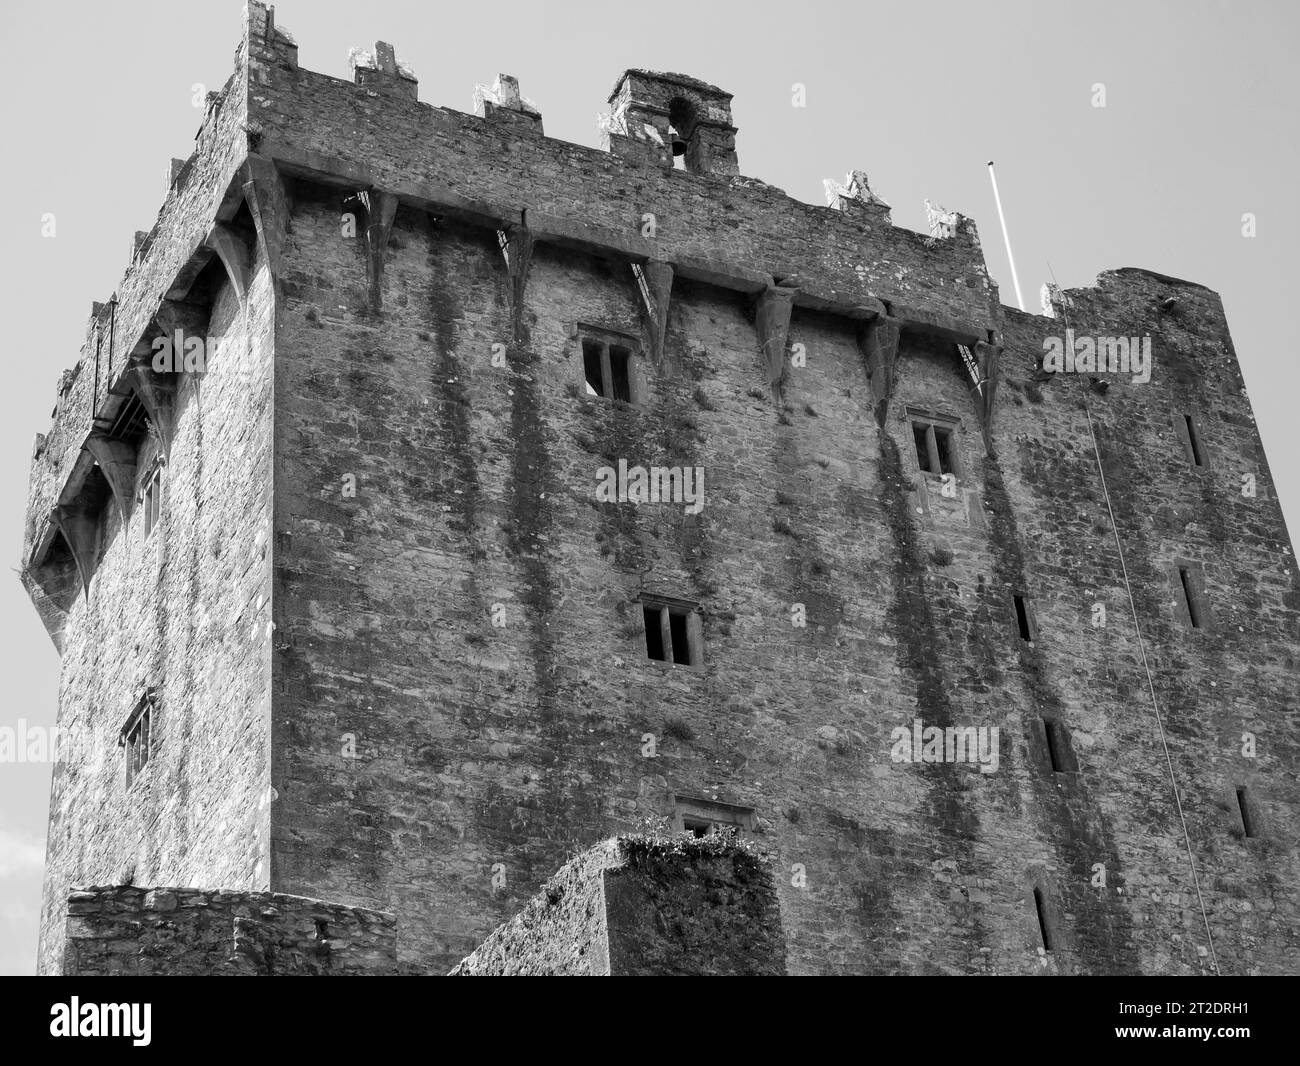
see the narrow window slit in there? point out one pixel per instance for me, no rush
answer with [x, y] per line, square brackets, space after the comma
[1060, 752]
[1243, 807]
[1022, 619]
[1189, 593]
[1052, 729]
[1040, 908]
[1193, 441]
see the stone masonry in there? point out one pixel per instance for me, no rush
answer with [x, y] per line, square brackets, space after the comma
[635, 905]
[125, 931]
[394, 650]
[639, 906]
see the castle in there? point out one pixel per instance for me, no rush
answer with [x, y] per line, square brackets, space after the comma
[435, 499]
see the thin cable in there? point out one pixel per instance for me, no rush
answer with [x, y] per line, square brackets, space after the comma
[1155, 703]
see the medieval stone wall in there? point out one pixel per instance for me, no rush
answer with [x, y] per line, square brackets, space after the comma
[644, 906]
[117, 931]
[184, 613]
[458, 693]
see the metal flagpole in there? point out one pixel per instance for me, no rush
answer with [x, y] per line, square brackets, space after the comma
[1002, 218]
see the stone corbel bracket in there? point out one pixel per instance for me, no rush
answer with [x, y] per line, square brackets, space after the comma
[985, 345]
[878, 342]
[658, 277]
[379, 226]
[117, 460]
[772, 321]
[987, 355]
[172, 317]
[52, 609]
[264, 193]
[519, 259]
[157, 393]
[80, 528]
[234, 257]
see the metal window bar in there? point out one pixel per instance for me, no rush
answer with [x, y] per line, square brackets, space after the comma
[639, 273]
[972, 367]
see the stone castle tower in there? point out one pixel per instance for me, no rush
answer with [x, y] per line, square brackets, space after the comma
[347, 611]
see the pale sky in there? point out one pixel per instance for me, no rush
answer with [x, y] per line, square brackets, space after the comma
[1199, 128]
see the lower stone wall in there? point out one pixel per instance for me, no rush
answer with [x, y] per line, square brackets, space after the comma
[636, 905]
[124, 930]
[686, 907]
[645, 905]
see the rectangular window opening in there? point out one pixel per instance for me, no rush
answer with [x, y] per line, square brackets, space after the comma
[1022, 619]
[935, 439]
[697, 827]
[607, 367]
[671, 635]
[136, 739]
[1189, 593]
[1193, 441]
[1243, 807]
[1040, 908]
